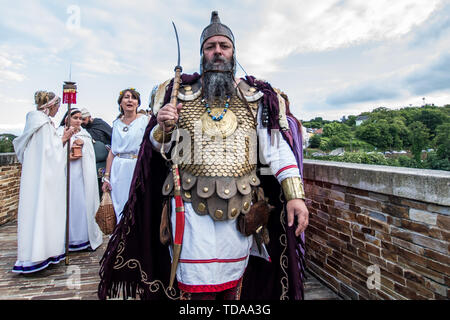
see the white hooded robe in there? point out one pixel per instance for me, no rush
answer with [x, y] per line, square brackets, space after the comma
[42, 197]
[84, 199]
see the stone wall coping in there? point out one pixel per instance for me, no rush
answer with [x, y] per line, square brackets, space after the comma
[8, 158]
[431, 186]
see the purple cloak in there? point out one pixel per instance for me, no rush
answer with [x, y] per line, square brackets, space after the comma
[135, 262]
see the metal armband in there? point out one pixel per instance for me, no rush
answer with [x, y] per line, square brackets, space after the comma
[293, 188]
[158, 135]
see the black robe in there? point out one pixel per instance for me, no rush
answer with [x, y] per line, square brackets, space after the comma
[99, 130]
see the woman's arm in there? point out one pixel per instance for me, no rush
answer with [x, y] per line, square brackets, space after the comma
[68, 133]
[106, 182]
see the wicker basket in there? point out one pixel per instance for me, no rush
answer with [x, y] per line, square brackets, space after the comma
[105, 216]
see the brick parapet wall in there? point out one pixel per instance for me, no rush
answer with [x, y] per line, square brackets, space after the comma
[364, 217]
[10, 170]
[360, 216]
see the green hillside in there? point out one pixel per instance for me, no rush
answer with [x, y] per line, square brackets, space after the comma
[384, 131]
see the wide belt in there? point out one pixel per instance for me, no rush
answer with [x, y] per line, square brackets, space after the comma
[127, 155]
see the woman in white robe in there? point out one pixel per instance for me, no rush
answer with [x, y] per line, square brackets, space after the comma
[127, 134]
[41, 218]
[84, 199]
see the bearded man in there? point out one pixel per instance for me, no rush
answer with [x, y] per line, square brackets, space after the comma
[242, 234]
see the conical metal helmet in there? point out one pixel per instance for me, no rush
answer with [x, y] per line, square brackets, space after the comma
[215, 28]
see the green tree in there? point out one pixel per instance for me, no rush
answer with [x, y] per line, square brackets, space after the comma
[405, 161]
[386, 140]
[6, 146]
[369, 132]
[410, 114]
[419, 135]
[384, 134]
[325, 144]
[431, 117]
[339, 135]
[434, 162]
[6, 142]
[351, 121]
[442, 141]
[314, 141]
[336, 128]
[376, 132]
[399, 133]
[316, 123]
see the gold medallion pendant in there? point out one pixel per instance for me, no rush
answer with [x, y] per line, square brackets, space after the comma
[225, 127]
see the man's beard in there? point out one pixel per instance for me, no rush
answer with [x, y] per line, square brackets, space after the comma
[218, 81]
[87, 125]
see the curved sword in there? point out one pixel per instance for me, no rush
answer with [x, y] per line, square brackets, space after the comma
[178, 46]
[179, 206]
[176, 80]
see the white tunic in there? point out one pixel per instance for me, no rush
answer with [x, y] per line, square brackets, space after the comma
[84, 200]
[42, 198]
[125, 144]
[215, 254]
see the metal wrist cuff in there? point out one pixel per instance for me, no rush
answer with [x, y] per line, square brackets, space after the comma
[293, 188]
[158, 135]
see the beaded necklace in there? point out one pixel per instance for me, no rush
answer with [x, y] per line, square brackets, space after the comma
[217, 117]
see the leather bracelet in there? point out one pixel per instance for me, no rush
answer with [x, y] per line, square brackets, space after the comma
[293, 188]
[158, 135]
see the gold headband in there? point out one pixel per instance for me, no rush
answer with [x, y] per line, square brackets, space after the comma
[121, 92]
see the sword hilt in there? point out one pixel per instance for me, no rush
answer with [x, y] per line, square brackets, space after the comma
[173, 96]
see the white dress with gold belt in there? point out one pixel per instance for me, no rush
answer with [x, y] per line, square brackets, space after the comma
[126, 141]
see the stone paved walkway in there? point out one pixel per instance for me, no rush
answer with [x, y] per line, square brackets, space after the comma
[56, 281]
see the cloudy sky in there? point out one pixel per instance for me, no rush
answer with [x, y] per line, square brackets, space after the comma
[331, 57]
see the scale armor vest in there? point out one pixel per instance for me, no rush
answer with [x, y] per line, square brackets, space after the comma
[218, 184]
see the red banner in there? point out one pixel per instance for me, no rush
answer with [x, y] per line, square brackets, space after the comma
[70, 96]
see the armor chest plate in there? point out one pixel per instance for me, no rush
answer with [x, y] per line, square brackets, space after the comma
[225, 148]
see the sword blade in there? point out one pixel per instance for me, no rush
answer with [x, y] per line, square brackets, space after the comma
[178, 43]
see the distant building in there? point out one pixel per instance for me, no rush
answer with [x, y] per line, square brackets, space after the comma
[318, 131]
[361, 119]
[306, 136]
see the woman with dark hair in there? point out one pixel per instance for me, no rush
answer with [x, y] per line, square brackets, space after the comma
[84, 200]
[128, 130]
[41, 214]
